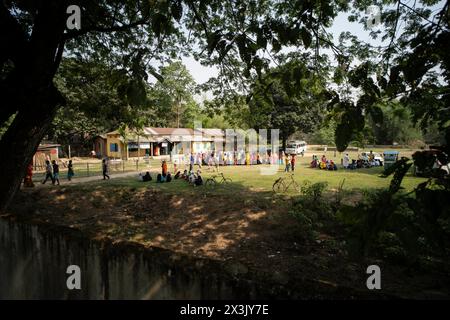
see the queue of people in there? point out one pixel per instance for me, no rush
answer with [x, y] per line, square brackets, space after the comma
[227, 158]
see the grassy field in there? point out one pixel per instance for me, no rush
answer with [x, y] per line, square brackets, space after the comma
[250, 177]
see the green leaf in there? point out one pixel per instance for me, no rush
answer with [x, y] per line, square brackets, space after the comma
[306, 37]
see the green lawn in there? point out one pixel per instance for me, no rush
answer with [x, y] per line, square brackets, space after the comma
[249, 178]
[246, 178]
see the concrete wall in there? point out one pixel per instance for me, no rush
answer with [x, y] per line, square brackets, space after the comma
[34, 260]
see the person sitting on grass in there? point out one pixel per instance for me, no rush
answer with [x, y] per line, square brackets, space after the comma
[359, 163]
[177, 175]
[146, 177]
[198, 180]
[323, 164]
[332, 165]
[314, 163]
[192, 177]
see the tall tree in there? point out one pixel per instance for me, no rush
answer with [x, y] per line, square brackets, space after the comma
[174, 96]
[412, 67]
[290, 98]
[127, 34]
[96, 101]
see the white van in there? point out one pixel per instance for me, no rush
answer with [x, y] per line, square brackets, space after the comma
[296, 147]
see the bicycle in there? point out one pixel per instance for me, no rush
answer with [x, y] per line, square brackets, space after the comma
[283, 184]
[214, 180]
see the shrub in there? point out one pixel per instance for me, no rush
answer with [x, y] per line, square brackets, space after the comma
[310, 210]
[313, 190]
[399, 227]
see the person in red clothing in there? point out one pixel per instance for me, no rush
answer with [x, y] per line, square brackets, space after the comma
[293, 162]
[28, 181]
[164, 168]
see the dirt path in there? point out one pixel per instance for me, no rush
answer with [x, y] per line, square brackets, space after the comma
[82, 180]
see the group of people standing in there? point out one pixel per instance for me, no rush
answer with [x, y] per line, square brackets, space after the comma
[289, 162]
[52, 171]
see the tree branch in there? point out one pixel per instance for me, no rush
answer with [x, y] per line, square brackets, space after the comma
[74, 34]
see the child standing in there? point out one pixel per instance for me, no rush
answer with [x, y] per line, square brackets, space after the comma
[70, 172]
[287, 161]
[55, 172]
[293, 162]
[48, 172]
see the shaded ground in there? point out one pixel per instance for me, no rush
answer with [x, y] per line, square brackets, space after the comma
[227, 223]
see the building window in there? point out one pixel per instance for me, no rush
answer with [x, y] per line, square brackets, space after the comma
[113, 147]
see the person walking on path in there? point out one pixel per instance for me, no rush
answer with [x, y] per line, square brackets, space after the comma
[70, 172]
[105, 169]
[191, 163]
[55, 172]
[48, 171]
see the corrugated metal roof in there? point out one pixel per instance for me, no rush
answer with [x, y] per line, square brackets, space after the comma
[152, 134]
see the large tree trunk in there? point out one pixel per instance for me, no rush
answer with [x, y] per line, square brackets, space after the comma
[283, 142]
[28, 91]
[21, 140]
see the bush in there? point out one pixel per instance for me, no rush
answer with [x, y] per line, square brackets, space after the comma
[399, 227]
[313, 191]
[310, 210]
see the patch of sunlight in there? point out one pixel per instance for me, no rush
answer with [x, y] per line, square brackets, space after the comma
[256, 215]
[154, 289]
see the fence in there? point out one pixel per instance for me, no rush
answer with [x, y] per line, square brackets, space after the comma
[88, 169]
